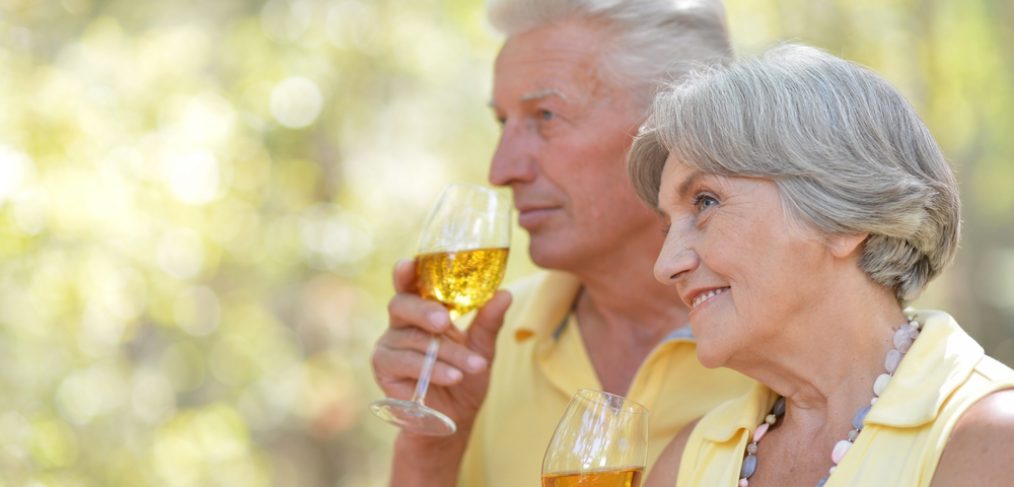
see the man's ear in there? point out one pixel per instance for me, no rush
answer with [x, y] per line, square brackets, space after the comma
[844, 245]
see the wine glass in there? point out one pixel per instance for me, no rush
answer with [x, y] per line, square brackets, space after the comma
[460, 262]
[601, 441]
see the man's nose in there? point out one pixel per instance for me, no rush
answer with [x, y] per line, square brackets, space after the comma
[514, 159]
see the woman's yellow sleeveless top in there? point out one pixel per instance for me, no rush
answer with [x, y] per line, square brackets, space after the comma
[905, 432]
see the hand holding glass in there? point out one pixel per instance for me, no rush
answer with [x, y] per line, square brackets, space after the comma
[601, 441]
[461, 261]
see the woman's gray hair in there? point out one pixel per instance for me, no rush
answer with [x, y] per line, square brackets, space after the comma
[849, 155]
[655, 41]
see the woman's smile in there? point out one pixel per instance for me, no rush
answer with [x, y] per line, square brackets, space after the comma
[706, 296]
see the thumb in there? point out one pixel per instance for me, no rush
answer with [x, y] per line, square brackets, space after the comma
[481, 335]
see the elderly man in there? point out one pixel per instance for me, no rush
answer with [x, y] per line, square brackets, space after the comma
[572, 83]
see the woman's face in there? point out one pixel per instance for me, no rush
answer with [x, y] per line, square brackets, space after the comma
[743, 266]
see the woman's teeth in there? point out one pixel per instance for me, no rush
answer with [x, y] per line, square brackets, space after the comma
[707, 295]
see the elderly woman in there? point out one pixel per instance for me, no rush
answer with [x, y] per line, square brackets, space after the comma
[806, 203]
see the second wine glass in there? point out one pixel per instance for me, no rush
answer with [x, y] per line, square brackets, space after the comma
[460, 262]
[601, 441]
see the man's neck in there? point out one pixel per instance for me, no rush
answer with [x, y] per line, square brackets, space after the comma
[623, 314]
[620, 290]
[643, 311]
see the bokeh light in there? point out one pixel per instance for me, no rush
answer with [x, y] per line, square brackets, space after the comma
[16, 168]
[296, 102]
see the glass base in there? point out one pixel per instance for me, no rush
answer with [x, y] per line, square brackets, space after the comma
[414, 417]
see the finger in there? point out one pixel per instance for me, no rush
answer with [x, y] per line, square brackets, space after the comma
[450, 352]
[409, 310]
[481, 335]
[396, 365]
[404, 276]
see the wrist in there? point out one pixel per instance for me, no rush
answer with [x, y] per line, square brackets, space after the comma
[421, 460]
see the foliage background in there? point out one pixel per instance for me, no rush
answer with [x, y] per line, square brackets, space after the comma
[200, 203]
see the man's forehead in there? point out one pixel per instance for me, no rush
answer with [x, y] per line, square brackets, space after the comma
[532, 64]
[559, 41]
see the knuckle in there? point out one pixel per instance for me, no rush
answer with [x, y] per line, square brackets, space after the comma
[380, 361]
[417, 335]
[392, 306]
[456, 354]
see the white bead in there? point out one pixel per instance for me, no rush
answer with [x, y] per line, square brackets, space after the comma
[839, 451]
[881, 383]
[892, 361]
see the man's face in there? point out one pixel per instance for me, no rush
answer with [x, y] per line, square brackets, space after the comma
[565, 135]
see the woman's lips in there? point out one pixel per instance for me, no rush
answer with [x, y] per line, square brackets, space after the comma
[706, 296]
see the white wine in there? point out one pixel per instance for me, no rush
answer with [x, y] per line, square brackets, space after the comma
[462, 280]
[623, 477]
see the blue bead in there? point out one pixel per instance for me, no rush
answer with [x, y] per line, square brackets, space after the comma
[749, 467]
[857, 420]
[779, 408]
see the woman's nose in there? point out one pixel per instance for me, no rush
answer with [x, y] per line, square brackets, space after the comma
[677, 259]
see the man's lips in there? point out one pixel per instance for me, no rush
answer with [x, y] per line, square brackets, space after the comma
[530, 217]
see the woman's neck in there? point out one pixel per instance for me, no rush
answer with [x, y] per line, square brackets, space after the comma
[825, 363]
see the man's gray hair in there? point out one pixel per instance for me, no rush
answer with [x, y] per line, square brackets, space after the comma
[849, 155]
[654, 41]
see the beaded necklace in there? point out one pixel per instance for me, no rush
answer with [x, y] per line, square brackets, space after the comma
[903, 339]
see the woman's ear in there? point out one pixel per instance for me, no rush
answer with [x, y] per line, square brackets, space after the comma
[844, 245]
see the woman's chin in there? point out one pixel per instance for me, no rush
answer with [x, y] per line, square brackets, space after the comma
[711, 357]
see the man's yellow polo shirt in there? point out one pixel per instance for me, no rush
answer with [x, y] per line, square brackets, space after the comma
[541, 361]
[904, 434]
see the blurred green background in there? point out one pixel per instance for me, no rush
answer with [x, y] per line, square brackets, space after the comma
[200, 203]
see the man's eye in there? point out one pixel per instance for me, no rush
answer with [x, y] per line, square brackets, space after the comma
[704, 201]
[546, 115]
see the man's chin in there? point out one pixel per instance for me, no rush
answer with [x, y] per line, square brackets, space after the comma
[551, 255]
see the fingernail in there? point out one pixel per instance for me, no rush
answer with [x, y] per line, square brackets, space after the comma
[476, 363]
[454, 374]
[437, 319]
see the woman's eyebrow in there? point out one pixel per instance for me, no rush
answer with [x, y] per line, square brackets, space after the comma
[697, 175]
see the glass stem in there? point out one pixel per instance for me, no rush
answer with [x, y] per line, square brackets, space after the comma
[427, 370]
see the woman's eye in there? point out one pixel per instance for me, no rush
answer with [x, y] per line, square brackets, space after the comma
[546, 115]
[704, 201]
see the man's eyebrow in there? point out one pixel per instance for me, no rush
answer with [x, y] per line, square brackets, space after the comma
[535, 95]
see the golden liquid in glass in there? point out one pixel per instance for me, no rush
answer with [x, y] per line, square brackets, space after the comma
[462, 280]
[627, 477]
